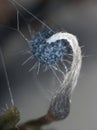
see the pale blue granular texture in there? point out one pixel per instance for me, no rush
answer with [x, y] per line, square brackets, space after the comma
[48, 53]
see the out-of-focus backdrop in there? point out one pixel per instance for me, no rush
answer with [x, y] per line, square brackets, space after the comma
[75, 16]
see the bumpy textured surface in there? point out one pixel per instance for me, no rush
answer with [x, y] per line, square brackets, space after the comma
[60, 106]
[9, 119]
[48, 53]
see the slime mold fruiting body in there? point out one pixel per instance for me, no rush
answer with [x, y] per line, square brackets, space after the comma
[48, 53]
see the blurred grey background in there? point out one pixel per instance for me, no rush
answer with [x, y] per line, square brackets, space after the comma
[75, 16]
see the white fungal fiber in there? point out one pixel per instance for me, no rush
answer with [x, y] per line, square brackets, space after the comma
[60, 103]
[72, 75]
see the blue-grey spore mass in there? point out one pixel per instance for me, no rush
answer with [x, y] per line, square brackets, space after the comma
[60, 106]
[48, 53]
